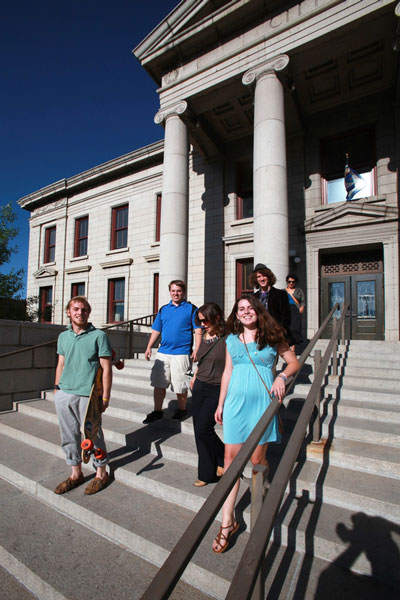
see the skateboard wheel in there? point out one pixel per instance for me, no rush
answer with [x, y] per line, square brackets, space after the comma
[100, 454]
[87, 445]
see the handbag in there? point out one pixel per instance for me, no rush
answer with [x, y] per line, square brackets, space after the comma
[281, 427]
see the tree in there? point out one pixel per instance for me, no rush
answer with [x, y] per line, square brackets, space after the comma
[10, 283]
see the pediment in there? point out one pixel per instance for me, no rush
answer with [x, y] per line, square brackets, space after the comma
[182, 20]
[351, 214]
[44, 272]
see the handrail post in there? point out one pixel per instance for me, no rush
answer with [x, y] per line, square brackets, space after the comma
[258, 491]
[130, 339]
[335, 352]
[317, 421]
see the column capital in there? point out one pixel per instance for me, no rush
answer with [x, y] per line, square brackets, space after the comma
[270, 66]
[174, 109]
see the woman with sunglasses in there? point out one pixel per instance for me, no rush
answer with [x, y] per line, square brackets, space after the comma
[205, 387]
[297, 303]
[250, 353]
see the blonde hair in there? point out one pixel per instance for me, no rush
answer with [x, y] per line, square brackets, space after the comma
[79, 299]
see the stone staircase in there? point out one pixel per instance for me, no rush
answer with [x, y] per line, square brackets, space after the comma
[337, 533]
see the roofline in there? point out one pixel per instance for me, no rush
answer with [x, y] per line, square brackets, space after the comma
[63, 186]
[167, 24]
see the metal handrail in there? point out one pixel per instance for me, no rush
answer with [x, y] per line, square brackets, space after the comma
[245, 576]
[131, 323]
[168, 575]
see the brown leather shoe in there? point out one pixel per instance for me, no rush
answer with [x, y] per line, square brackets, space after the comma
[97, 484]
[69, 484]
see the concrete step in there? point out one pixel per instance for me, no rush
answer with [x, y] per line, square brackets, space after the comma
[126, 532]
[361, 370]
[373, 411]
[363, 430]
[346, 392]
[150, 465]
[375, 495]
[114, 514]
[361, 456]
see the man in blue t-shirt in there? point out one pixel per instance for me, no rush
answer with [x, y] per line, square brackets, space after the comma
[175, 322]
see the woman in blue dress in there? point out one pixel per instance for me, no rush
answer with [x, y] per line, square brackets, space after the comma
[250, 352]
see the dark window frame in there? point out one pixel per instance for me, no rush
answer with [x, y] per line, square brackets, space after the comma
[46, 304]
[156, 288]
[50, 248]
[112, 301]
[79, 239]
[115, 231]
[241, 264]
[158, 216]
[244, 187]
[75, 291]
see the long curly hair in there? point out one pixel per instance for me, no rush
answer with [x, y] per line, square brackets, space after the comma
[269, 331]
[267, 272]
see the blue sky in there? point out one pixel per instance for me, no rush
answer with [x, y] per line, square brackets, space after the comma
[73, 96]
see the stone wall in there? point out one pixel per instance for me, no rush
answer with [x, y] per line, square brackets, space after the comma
[24, 375]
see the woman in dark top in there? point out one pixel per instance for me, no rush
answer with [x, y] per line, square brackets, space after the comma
[205, 393]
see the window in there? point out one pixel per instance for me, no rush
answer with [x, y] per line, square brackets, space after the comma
[158, 217]
[81, 236]
[156, 282]
[50, 245]
[119, 227]
[77, 289]
[360, 146]
[244, 267]
[244, 187]
[116, 300]
[45, 304]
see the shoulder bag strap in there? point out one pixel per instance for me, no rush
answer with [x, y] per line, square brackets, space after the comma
[252, 362]
[208, 351]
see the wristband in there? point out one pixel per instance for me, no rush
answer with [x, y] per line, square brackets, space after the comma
[106, 399]
[283, 376]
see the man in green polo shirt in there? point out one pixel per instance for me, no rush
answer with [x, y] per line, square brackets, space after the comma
[81, 350]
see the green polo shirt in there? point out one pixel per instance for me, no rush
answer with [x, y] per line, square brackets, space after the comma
[81, 353]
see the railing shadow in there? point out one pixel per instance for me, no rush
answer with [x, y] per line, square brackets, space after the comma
[139, 444]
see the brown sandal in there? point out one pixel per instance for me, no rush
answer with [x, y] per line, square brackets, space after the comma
[221, 536]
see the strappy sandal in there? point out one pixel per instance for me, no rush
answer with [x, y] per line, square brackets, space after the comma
[221, 536]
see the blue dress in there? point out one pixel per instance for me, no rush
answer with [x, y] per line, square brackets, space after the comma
[247, 398]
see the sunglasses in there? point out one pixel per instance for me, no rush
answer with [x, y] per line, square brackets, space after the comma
[291, 281]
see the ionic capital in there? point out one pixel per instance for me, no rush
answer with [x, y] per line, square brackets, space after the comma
[175, 109]
[270, 66]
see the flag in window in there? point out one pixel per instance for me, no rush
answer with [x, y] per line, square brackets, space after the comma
[353, 181]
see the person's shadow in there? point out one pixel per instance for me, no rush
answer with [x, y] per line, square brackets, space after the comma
[373, 537]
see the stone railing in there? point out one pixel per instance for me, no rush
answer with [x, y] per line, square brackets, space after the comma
[28, 355]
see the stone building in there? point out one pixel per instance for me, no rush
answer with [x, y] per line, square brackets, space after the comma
[260, 102]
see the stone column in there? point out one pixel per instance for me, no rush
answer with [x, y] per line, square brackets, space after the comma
[271, 235]
[174, 205]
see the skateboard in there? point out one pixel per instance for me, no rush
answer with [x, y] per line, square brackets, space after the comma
[92, 420]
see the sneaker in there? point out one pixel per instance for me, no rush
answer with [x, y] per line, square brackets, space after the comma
[96, 485]
[180, 414]
[153, 416]
[69, 484]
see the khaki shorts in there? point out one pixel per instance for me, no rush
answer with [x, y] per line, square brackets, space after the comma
[170, 369]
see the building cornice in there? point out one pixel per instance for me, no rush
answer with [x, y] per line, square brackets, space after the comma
[93, 177]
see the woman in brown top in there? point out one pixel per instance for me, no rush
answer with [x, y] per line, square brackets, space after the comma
[205, 387]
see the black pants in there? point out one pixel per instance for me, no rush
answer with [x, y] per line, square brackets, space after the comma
[210, 448]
